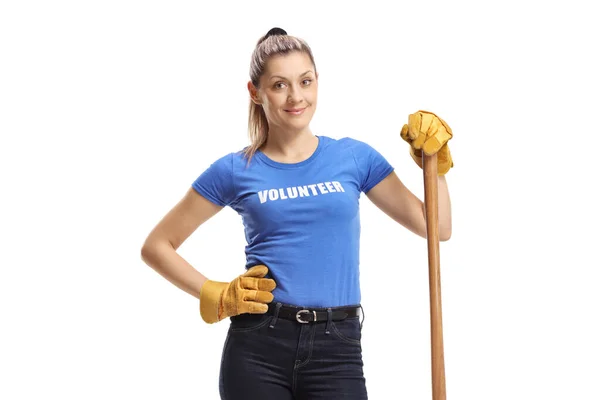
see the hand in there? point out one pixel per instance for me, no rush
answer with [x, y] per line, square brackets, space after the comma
[248, 293]
[427, 133]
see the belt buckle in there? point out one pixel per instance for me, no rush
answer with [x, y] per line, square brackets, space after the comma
[305, 312]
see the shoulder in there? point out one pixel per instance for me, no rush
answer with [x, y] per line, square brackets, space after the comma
[231, 159]
[220, 164]
[219, 167]
[357, 147]
[345, 143]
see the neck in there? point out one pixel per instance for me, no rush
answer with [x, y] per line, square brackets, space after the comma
[290, 146]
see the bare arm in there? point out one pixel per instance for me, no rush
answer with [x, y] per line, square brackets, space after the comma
[160, 248]
[393, 198]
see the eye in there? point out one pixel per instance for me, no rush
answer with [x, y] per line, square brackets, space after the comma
[279, 85]
[307, 80]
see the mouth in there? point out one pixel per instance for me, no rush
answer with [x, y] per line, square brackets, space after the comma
[295, 111]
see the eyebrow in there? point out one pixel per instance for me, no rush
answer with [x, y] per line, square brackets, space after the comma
[281, 77]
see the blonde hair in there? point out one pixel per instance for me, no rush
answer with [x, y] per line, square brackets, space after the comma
[274, 42]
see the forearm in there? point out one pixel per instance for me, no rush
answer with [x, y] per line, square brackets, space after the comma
[165, 260]
[444, 211]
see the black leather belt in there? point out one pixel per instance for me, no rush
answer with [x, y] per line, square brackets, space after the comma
[312, 314]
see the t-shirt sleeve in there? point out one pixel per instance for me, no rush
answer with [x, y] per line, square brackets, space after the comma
[216, 182]
[372, 166]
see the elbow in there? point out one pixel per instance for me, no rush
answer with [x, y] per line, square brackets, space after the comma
[445, 235]
[151, 249]
[145, 253]
[442, 237]
[444, 232]
[148, 252]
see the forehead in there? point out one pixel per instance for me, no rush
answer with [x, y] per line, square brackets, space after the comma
[289, 65]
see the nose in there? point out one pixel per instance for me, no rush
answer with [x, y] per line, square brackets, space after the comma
[294, 95]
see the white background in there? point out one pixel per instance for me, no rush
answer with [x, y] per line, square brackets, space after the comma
[109, 110]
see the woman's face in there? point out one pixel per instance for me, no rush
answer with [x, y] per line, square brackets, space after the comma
[288, 91]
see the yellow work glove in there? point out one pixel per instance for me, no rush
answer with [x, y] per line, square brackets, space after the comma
[248, 293]
[427, 133]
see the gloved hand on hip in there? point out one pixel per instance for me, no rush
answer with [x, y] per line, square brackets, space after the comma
[248, 293]
[427, 133]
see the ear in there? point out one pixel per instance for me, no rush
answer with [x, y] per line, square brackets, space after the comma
[253, 93]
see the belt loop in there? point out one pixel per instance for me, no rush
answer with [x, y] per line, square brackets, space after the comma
[362, 313]
[274, 319]
[329, 318]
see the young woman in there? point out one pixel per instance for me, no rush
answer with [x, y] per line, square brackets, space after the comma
[295, 328]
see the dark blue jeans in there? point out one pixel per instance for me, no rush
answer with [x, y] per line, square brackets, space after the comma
[270, 358]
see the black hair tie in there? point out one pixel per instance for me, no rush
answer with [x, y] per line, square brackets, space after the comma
[275, 32]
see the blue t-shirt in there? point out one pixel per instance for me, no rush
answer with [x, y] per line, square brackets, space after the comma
[301, 220]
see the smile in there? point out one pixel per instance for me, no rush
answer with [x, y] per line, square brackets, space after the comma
[295, 111]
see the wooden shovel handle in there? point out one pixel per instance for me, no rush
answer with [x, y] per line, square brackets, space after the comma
[438, 374]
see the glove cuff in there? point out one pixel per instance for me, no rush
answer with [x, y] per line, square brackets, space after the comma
[211, 294]
[417, 156]
[445, 161]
